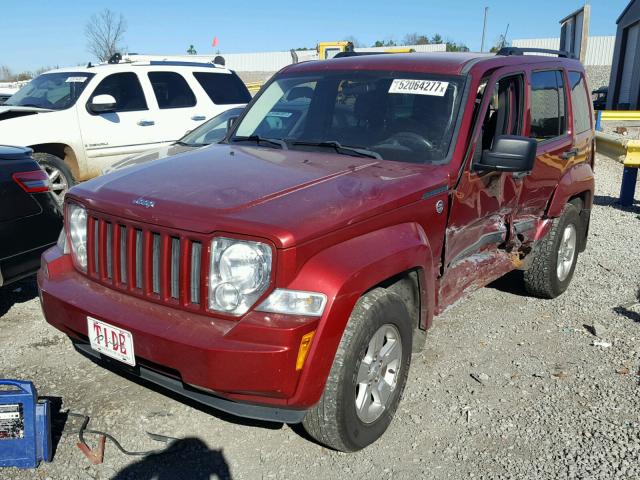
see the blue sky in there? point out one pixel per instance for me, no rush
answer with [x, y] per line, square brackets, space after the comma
[37, 33]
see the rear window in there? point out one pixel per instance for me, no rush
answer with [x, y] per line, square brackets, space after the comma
[171, 90]
[580, 102]
[548, 112]
[223, 88]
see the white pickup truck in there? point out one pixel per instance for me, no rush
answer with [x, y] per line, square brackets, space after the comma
[81, 120]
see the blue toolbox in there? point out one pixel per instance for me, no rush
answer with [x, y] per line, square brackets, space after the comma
[25, 425]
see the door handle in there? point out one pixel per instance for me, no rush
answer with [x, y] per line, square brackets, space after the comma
[198, 118]
[570, 153]
[146, 123]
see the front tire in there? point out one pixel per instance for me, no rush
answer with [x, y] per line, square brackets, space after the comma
[59, 174]
[368, 375]
[555, 256]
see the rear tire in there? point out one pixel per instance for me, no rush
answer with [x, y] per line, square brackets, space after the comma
[59, 174]
[365, 383]
[555, 256]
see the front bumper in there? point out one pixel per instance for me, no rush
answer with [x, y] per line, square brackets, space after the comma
[245, 367]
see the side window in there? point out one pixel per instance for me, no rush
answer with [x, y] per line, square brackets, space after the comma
[223, 88]
[580, 102]
[548, 111]
[126, 89]
[171, 90]
[504, 115]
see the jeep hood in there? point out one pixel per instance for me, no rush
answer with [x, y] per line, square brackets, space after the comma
[287, 196]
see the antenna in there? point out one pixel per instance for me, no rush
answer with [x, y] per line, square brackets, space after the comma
[484, 28]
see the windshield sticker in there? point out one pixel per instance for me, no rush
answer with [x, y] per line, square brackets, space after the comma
[279, 114]
[75, 79]
[419, 87]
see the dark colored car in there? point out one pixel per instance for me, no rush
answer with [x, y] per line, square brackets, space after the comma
[288, 273]
[30, 217]
[600, 98]
[212, 131]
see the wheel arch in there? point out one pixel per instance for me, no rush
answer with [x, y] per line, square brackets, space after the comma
[345, 272]
[577, 182]
[64, 152]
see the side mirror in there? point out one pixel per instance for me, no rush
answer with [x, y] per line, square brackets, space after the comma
[231, 121]
[510, 153]
[102, 104]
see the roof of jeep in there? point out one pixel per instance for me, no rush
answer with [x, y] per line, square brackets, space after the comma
[436, 62]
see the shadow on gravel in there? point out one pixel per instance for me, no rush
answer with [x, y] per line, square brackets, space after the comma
[606, 201]
[512, 282]
[185, 459]
[625, 311]
[58, 421]
[18, 292]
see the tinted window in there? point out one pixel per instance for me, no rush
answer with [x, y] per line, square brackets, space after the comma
[211, 131]
[504, 115]
[402, 116]
[548, 117]
[56, 91]
[580, 102]
[223, 88]
[171, 90]
[126, 89]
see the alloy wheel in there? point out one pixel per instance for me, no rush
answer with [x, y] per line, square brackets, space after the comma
[566, 252]
[378, 371]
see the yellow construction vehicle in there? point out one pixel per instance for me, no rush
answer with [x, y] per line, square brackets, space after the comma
[327, 50]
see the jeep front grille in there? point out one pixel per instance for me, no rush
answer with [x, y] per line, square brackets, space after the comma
[154, 263]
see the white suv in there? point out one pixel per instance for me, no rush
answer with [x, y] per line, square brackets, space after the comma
[79, 121]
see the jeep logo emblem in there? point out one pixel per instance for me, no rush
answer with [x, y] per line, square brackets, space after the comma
[144, 203]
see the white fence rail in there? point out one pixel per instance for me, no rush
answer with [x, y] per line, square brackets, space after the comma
[599, 49]
[273, 61]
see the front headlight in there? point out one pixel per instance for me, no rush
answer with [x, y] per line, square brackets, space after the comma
[239, 274]
[77, 226]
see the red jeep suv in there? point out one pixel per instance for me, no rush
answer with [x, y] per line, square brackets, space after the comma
[289, 272]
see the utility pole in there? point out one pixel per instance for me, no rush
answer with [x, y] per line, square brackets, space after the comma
[484, 28]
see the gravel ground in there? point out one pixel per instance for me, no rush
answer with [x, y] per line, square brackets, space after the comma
[552, 399]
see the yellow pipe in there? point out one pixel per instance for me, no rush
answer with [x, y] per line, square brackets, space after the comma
[633, 154]
[620, 115]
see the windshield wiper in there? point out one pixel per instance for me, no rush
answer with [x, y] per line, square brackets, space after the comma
[257, 138]
[27, 105]
[346, 149]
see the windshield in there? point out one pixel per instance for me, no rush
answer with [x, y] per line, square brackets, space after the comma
[212, 131]
[402, 116]
[55, 91]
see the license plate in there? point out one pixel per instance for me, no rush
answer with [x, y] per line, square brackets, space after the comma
[111, 341]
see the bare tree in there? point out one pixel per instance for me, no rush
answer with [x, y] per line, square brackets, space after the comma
[105, 31]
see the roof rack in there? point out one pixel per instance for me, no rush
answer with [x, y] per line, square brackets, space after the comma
[508, 51]
[355, 54]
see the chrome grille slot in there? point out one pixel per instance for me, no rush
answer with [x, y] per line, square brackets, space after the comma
[138, 256]
[155, 264]
[149, 262]
[96, 245]
[109, 248]
[123, 253]
[175, 267]
[196, 253]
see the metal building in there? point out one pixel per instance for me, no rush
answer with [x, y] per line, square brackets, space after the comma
[624, 84]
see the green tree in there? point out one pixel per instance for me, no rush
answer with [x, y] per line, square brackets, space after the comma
[378, 43]
[456, 47]
[437, 39]
[191, 50]
[415, 39]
